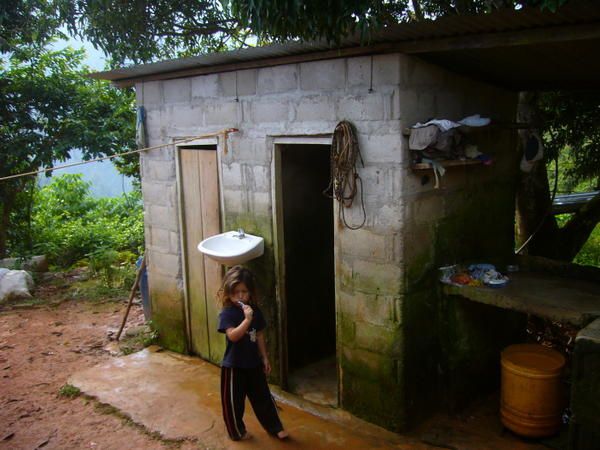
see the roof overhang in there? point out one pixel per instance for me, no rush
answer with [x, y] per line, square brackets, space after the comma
[526, 49]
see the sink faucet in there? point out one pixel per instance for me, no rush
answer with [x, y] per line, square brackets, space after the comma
[241, 233]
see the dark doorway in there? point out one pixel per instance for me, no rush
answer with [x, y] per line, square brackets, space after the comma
[309, 272]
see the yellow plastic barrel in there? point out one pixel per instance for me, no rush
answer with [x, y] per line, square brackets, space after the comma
[531, 400]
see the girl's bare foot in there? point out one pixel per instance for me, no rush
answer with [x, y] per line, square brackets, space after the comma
[283, 434]
[245, 436]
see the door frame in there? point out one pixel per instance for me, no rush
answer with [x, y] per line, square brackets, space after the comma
[180, 210]
[276, 143]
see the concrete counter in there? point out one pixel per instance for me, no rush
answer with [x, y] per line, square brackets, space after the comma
[559, 299]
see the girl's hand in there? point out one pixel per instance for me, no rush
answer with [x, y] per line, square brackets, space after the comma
[266, 365]
[248, 312]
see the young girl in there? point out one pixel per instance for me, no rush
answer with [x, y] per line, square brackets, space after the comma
[245, 364]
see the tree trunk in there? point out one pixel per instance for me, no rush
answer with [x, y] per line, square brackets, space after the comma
[418, 11]
[534, 208]
[7, 206]
[576, 232]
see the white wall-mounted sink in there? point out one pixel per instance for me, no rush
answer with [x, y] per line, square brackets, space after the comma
[232, 247]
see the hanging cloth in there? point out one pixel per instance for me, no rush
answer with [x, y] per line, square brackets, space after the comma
[140, 128]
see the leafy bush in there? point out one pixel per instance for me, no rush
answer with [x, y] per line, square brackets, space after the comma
[589, 255]
[69, 391]
[68, 224]
[116, 270]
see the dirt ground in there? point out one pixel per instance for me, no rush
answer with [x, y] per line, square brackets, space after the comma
[44, 341]
[69, 326]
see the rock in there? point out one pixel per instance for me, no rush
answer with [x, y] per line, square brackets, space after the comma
[15, 284]
[134, 331]
[113, 348]
[34, 264]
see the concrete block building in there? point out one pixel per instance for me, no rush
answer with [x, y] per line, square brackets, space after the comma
[366, 301]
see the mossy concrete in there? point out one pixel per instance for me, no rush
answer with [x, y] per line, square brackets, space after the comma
[371, 341]
[170, 325]
[168, 315]
[450, 350]
[584, 430]
[185, 406]
[472, 338]
[372, 387]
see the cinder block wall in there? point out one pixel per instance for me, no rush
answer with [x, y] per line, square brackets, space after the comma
[378, 268]
[468, 219]
[584, 429]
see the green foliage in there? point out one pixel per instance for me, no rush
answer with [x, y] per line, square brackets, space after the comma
[142, 31]
[19, 237]
[335, 19]
[313, 19]
[589, 255]
[68, 225]
[69, 391]
[145, 337]
[48, 107]
[572, 130]
[27, 22]
[116, 270]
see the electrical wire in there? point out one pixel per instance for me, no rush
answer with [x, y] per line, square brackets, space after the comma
[548, 211]
[224, 132]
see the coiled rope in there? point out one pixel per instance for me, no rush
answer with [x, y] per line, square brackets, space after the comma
[344, 181]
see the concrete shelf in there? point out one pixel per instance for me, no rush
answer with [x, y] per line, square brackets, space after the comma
[447, 163]
[559, 299]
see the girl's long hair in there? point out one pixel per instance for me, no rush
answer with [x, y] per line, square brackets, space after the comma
[233, 277]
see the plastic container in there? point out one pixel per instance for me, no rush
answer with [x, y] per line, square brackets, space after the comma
[531, 397]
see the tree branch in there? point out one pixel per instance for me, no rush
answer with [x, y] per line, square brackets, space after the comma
[417, 9]
[575, 233]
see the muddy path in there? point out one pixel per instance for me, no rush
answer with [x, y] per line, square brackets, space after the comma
[40, 347]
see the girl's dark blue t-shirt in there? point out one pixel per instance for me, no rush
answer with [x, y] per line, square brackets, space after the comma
[244, 353]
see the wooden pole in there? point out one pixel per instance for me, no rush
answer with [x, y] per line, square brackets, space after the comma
[132, 294]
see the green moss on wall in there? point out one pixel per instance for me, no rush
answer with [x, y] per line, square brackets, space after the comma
[440, 342]
[371, 372]
[418, 270]
[168, 315]
[372, 398]
[472, 337]
[479, 225]
[346, 325]
[378, 280]
[586, 382]
[422, 351]
[171, 333]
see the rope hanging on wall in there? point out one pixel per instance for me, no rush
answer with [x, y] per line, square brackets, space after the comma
[344, 181]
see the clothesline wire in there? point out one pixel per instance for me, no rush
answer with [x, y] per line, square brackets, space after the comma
[548, 211]
[224, 133]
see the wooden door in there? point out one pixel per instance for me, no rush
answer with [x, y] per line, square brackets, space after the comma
[201, 219]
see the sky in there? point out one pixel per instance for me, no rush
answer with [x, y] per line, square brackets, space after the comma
[95, 58]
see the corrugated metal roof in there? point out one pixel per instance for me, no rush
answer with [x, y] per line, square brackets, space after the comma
[437, 41]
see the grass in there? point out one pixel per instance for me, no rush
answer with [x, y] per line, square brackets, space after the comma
[69, 391]
[103, 408]
[133, 344]
[589, 255]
